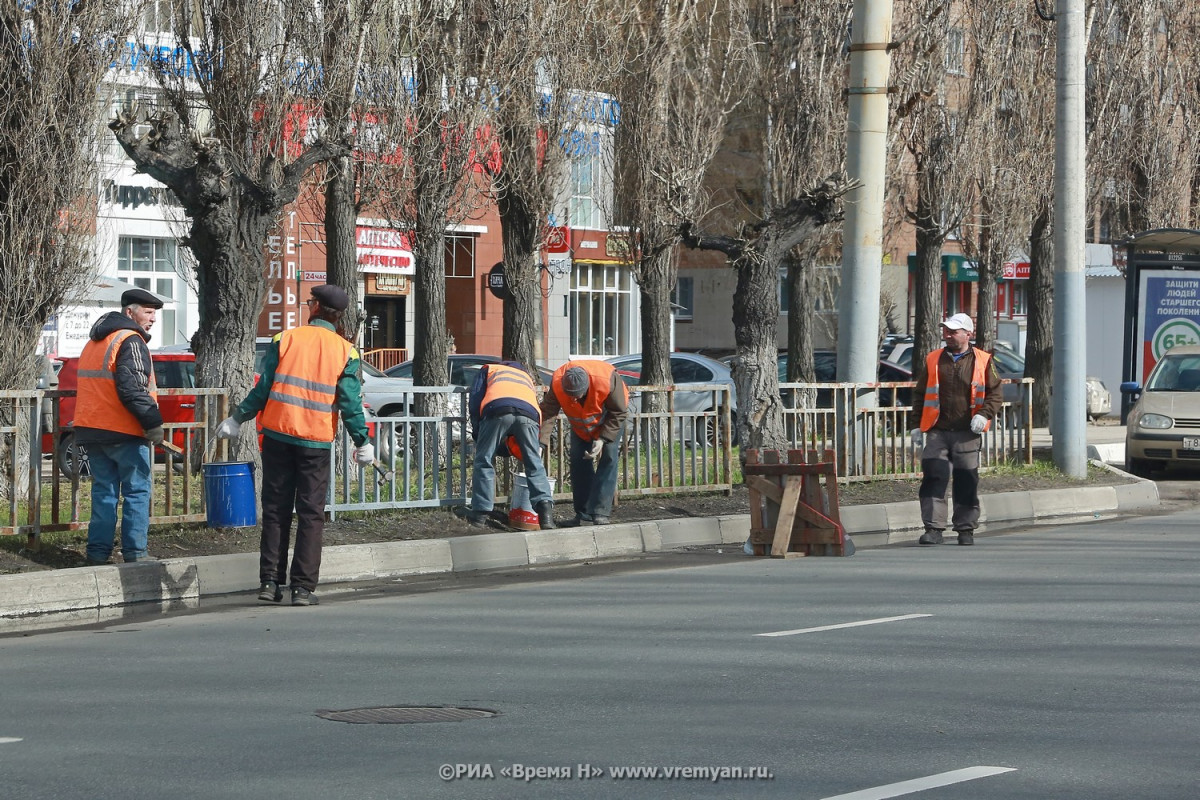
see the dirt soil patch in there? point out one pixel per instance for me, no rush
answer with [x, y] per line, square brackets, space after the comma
[64, 550]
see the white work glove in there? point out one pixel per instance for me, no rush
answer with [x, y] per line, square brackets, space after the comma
[594, 452]
[918, 438]
[365, 455]
[978, 423]
[228, 428]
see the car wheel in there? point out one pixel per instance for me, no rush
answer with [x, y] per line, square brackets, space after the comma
[712, 426]
[1140, 467]
[72, 456]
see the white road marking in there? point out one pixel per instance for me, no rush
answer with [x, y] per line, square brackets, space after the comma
[844, 625]
[9, 740]
[921, 784]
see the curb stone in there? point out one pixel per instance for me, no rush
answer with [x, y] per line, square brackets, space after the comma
[96, 594]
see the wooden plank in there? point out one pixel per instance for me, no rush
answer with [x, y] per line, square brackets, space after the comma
[787, 517]
[765, 488]
[785, 469]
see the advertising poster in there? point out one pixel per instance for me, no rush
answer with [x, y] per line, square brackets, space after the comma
[1170, 315]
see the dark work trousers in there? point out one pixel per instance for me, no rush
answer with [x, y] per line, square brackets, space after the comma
[950, 453]
[292, 476]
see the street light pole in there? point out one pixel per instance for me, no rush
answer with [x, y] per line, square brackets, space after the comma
[1068, 408]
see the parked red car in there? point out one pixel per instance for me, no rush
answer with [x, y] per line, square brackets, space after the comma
[172, 370]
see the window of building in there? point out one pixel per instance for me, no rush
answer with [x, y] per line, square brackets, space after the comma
[600, 309]
[1020, 298]
[460, 256]
[955, 52]
[153, 265]
[590, 187]
[681, 296]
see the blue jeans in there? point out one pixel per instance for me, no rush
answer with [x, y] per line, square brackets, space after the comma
[119, 470]
[593, 485]
[493, 431]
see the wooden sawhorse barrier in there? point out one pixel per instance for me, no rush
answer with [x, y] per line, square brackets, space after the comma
[792, 513]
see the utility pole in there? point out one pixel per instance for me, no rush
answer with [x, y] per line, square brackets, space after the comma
[1068, 407]
[862, 234]
[866, 160]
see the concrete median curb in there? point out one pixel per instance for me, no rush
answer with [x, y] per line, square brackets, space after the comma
[79, 596]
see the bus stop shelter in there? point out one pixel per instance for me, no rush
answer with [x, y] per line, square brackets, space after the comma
[1162, 299]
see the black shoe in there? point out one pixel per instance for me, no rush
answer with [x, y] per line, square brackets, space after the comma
[576, 522]
[91, 562]
[476, 519]
[270, 592]
[930, 536]
[140, 559]
[966, 538]
[600, 520]
[303, 597]
[545, 512]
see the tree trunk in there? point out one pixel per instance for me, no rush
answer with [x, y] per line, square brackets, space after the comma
[341, 240]
[928, 312]
[225, 239]
[654, 285]
[1039, 337]
[755, 324]
[430, 356]
[522, 273]
[801, 324]
[985, 317]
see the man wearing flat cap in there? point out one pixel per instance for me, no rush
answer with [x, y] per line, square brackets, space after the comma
[956, 398]
[309, 375]
[595, 401]
[117, 420]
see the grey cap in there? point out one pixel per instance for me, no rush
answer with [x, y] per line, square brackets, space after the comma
[331, 296]
[575, 381]
[140, 297]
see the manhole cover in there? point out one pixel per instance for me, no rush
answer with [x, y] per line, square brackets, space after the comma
[404, 715]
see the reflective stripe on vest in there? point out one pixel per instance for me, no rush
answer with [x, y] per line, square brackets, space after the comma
[302, 400]
[932, 404]
[586, 415]
[509, 383]
[97, 404]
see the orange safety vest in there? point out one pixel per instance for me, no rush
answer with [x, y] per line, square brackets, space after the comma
[929, 412]
[96, 402]
[301, 401]
[504, 383]
[586, 415]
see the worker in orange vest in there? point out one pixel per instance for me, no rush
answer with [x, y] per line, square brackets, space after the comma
[595, 400]
[956, 398]
[309, 375]
[117, 421]
[505, 420]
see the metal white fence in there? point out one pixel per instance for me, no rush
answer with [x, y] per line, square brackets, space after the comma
[425, 461]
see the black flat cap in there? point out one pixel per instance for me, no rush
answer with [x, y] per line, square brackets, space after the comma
[331, 296]
[140, 297]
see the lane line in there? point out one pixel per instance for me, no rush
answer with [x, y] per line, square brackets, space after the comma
[921, 784]
[845, 625]
[9, 740]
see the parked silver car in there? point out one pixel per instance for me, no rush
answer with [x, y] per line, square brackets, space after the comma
[686, 368]
[1163, 427]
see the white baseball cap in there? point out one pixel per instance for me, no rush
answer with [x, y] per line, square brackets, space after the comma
[959, 322]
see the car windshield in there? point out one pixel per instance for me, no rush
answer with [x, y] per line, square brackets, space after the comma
[1175, 374]
[1007, 361]
[370, 370]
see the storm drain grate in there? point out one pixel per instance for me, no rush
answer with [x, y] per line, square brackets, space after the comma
[405, 715]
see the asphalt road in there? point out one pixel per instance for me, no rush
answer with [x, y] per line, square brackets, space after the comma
[1055, 663]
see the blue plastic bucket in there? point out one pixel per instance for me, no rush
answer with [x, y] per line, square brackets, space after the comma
[229, 494]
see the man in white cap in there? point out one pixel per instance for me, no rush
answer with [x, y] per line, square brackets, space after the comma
[956, 398]
[595, 401]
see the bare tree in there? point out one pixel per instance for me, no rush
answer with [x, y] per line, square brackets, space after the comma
[543, 73]
[53, 58]
[685, 68]
[929, 139]
[229, 135]
[755, 254]
[431, 139]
